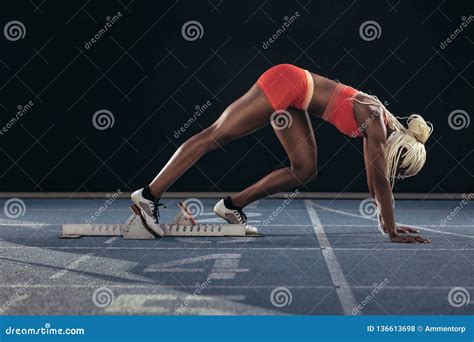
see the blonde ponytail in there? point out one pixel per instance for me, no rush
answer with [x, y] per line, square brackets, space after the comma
[419, 128]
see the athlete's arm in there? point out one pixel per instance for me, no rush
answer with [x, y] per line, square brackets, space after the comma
[367, 170]
[377, 174]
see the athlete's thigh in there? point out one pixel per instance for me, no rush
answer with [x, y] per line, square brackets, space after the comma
[293, 129]
[245, 115]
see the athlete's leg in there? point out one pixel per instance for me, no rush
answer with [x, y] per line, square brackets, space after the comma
[248, 113]
[300, 145]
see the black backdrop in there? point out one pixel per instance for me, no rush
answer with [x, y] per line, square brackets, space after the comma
[150, 79]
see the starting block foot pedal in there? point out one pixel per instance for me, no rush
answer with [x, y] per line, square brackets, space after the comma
[135, 228]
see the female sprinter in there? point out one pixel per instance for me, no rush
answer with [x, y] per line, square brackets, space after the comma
[391, 150]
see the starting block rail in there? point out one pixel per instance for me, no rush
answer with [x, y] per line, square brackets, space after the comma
[134, 228]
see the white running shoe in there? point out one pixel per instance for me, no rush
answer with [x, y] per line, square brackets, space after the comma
[233, 216]
[149, 210]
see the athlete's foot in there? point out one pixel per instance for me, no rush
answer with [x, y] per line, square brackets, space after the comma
[233, 214]
[149, 207]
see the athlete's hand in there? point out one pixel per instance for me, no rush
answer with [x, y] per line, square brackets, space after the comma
[400, 229]
[394, 237]
[406, 230]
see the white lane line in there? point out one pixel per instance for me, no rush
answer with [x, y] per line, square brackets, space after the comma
[243, 287]
[71, 266]
[373, 219]
[343, 290]
[411, 248]
[30, 225]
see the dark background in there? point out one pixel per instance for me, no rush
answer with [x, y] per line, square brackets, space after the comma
[151, 79]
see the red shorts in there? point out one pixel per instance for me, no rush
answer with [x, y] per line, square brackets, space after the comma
[339, 112]
[286, 85]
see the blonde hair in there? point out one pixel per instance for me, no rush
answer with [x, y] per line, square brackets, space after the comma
[405, 144]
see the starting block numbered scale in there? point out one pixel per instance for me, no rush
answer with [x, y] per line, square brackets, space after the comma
[183, 225]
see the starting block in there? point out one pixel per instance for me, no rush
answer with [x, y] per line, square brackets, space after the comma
[183, 225]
